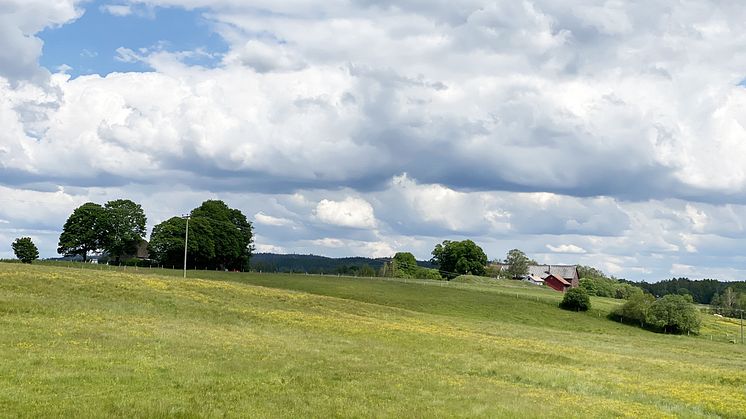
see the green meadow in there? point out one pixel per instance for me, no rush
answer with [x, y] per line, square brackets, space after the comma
[147, 343]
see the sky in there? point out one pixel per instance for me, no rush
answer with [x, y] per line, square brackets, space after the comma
[606, 133]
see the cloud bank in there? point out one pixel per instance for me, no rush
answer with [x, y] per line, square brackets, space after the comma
[610, 135]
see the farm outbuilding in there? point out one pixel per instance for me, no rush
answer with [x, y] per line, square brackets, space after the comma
[564, 276]
[568, 273]
[557, 283]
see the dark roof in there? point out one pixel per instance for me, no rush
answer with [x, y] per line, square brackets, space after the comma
[542, 271]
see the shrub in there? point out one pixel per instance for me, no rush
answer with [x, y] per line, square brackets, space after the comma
[670, 314]
[635, 309]
[675, 314]
[425, 273]
[576, 299]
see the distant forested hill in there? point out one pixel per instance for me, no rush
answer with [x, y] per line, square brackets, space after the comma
[313, 264]
[701, 291]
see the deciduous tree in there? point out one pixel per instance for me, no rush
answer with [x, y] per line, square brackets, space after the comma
[123, 227]
[25, 249]
[517, 262]
[219, 237]
[459, 258]
[83, 231]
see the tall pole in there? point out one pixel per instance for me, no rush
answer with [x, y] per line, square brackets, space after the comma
[186, 241]
[741, 327]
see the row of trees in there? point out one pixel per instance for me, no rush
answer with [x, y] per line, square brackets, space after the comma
[596, 283]
[730, 303]
[702, 291]
[219, 236]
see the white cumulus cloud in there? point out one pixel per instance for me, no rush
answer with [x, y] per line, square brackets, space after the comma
[566, 248]
[351, 212]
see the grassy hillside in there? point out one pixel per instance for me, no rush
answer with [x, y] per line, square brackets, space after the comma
[96, 343]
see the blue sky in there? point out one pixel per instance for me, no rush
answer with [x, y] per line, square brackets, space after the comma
[89, 44]
[610, 135]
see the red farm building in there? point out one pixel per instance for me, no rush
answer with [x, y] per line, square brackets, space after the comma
[557, 283]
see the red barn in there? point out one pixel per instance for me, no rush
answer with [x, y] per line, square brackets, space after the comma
[556, 282]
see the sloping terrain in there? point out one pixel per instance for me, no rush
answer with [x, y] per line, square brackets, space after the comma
[95, 343]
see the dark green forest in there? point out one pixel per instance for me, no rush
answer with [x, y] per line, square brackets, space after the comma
[313, 264]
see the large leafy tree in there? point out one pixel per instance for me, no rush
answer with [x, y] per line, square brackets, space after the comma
[167, 242]
[517, 262]
[219, 237]
[232, 234]
[459, 258]
[25, 249]
[123, 227]
[83, 231]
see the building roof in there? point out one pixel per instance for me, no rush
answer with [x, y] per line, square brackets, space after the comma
[563, 271]
[534, 278]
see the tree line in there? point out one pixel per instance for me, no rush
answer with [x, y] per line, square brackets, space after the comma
[702, 291]
[219, 236]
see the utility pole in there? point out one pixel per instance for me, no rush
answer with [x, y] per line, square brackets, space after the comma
[186, 241]
[741, 327]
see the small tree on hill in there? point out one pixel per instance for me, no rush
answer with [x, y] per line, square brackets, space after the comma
[404, 264]
[576, 299]
[25, 249]
[517, 262]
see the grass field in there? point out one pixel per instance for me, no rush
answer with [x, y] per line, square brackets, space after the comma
[146, 343]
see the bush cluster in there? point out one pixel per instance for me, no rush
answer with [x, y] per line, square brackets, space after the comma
[576, 299]
[404, 265]
[669, 314]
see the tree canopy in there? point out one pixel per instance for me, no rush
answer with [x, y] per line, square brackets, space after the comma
[123, 227]
[25, 249]
[671, 314]
[404, 265]
[597, 283]
[116, 228]
[702, 291]
[517, 262]
[219, 237]
[455, 258]
[83, 231]
[675, 314]
[576, 299]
